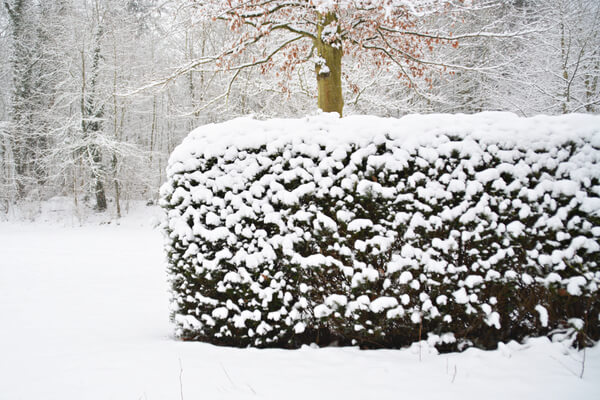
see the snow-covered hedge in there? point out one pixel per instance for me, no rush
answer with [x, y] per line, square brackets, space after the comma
[463, 230]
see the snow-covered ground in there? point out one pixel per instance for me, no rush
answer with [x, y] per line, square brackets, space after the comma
[83, 315]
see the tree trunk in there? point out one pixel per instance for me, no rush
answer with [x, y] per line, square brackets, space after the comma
[100, 196]
[565, 52]
[116, 134]
[117, 188]
[329, 64]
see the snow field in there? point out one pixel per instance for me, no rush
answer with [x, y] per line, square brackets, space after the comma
[68, 333]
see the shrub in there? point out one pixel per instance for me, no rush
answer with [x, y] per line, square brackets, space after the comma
[462, 230]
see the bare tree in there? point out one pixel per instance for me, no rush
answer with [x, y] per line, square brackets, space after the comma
[557, 69]
[386, 34]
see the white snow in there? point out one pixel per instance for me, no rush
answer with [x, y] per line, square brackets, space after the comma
[382, 303]
[473, 280]
[359, 224]
[336, 300]
[493, 320]
[575, 284]
[299, 327]
[322, 311]
[460, 296]
[543, 314]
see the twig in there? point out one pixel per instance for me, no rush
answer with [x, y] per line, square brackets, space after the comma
[420, 330]
[454, 375]
[566, 367]
[447, 365]
[180, 379]
[582, 364]
[250, 387]
[227, 375]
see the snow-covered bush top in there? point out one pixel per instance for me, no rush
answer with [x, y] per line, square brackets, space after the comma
[500, 129]
[463, 229]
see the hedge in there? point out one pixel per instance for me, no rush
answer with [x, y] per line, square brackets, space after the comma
[461, 230]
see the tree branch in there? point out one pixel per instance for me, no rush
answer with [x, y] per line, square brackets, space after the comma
[268, 58]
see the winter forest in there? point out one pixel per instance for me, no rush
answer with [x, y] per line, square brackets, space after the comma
[299, 199]
[95, 94]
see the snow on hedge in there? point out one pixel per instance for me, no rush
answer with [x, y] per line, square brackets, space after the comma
[464, 229]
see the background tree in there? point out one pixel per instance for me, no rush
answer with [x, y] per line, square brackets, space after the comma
[566, 78]
[25, 140]
[6, 169]
[92, 118]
